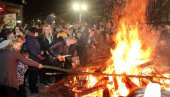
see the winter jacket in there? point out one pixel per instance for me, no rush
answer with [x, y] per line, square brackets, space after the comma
[8, 67]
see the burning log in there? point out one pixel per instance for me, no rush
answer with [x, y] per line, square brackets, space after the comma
[134, 48]
[102, 81]
[91, 90]
[100, 85]
[120, 75]
[129, 84]
[78, 72]
[115, 83]
[105, 81]
[146, 64]
[106, 93]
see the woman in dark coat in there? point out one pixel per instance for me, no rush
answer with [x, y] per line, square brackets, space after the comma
[9, 57]
[45, 40]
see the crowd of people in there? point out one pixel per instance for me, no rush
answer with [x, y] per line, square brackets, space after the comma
[23, 50]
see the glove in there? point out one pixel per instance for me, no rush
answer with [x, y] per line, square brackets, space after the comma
[40, 57]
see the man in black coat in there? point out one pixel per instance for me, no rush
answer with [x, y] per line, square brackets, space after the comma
[59, 49]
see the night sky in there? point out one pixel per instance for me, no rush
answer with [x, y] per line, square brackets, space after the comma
[41, 8]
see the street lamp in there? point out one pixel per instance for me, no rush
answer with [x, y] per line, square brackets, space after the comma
[76, 6]
[80, 7]
[84, 7]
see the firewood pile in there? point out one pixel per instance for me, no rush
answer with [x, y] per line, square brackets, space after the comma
[77, 83]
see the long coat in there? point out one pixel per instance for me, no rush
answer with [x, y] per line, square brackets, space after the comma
[8, 67]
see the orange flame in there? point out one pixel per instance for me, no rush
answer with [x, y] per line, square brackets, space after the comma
[130, 50]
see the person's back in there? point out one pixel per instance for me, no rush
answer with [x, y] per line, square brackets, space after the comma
[7, 69]
[9, 55]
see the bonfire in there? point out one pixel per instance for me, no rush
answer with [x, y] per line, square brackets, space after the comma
[131, 65]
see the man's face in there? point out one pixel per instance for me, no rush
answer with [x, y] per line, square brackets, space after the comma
[47, 30]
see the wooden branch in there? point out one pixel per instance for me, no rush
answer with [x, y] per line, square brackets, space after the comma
[52, 87]
[115, 83]
[146, 64]
[56, 68]
[119, 75]
[106, 93]
[102, 81]
[129, 84]
[76, 72]
[91, 90]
